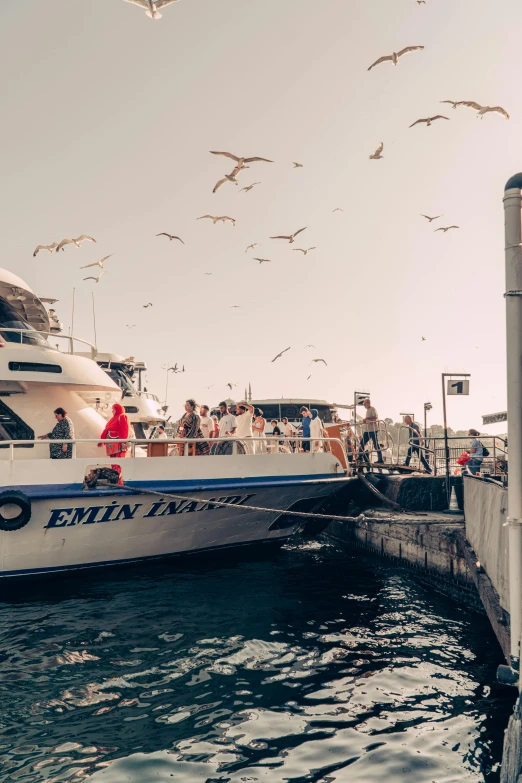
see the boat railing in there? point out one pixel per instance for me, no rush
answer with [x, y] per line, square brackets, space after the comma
[32, 334]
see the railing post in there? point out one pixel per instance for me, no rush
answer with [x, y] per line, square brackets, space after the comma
[234, 447]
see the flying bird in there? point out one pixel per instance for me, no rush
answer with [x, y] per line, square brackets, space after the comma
[97, 263]
[308, 377]
[77, 242]
[320, 360]
[482, 110]
[231, 385]
[280, 354]
[215, 218]
[302, 250]
[454, 104]
[149, 304]
[152, 6]
[249, 187]
[208, 273]
[170, 236]
[241, 161]
[421, 2]
[394, 57]
[377, 154]
[130, 326]
[235, 307]
[429, 120]
[338, 209]
[96, 279]
[291, 237]
[263, 260]
[432, 218]
[447, 228]
[309, 346]
[252, 246]
[49, 248]
[226, 178]
[423, 339]
[297, 165]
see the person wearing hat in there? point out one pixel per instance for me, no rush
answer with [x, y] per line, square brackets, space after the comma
[476, 453]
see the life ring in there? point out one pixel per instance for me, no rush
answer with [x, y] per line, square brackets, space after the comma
[10, 518]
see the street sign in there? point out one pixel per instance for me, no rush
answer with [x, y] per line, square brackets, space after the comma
[459, 387]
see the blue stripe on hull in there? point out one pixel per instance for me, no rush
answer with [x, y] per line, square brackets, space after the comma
[57, 491]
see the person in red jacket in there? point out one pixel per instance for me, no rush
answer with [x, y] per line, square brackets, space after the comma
[117, 428]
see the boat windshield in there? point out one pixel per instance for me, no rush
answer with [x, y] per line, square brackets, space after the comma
[11, 319]
[121, 378]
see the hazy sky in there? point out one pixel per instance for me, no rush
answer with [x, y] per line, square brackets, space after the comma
[107, 120]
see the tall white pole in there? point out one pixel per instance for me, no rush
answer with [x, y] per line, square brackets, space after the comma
[94, 323]
[513, 296]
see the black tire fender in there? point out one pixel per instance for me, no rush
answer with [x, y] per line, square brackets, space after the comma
[14, 498]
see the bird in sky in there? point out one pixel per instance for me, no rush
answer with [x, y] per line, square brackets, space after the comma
[96, 279]
[309, 346]
[99, 263]
[235, 307]
[173, 369]
[231, 385]
[297, 165]
[338, 209]
[239, 160]
[482, 110]
[454, 104]
[432, 218]
[377, 154]
[308, 377]
[209, 387]
[302, 250]
[130, 326]
[252, 246]
[446, 228]
[249, 187]
[394, 57]
[320, 360]
[208, 273]
[291, 237]
[215, 218]
[423, 339]
[421, 2]
[226, 178]
[149, 304]
[280, 354]
[152, 6]
[49, 248]
[429, 120]
[170, 236]
[263, 260]
[77, 242]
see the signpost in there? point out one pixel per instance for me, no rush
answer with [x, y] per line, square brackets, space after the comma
[427, 407]
[454, 387]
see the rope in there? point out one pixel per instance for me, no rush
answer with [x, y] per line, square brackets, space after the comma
[304, 514]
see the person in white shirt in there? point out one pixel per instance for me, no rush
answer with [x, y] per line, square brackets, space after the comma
[289, 432]
[227, 422]
[244, 414]
[206, 423]
[316, 430]
[160, 433]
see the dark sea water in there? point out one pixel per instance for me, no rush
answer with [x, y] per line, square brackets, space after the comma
[306, 664]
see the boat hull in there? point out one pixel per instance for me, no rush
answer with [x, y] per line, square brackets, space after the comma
[94, 529]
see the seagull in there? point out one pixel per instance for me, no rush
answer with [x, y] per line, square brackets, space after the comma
[152, 6]
[130, 326]
[338, 209]
[77, 242]
[209, 387]
[432, 218]
[280, 354]
[149, 304]
[377, 154]
[249, 187]
[454, 104]
[170, 236]
[173, 369]
[447, 228]
[482, 110]
[309, 346]
[231, 385]
[96, 279]
[302, 250]
[226, 178]
[241, 161]
[97, 263]
[222, 218]
[429, 120]
[308, 377]
[420, 2]
[208, 273]
[252, 246]
[297, 165]
[235, 307]
[394, 57]
[423, 339]
[291, 237]
[49, 248]
[263, 260]
[320, 360]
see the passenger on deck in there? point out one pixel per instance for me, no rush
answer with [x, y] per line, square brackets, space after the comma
[258, 428]
[118, 427]
[476, 453]
[371, 427]
[189, 427]
[227, 422]
[62, 429]
[207, 425]
[244, 413]
[215, 431]
[316, 431]
[160, 433]
[415, 439]
[305, 427]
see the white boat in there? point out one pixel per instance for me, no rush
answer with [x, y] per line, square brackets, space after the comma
[53, 517]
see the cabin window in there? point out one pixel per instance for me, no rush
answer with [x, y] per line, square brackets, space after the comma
[270, 411]
[130, 409]
[34, 367]
[10, 318]
[13, 428]
[290, 412]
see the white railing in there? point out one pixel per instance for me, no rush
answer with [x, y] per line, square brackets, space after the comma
[32, 334]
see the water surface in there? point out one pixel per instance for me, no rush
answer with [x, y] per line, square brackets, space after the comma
[305, 664]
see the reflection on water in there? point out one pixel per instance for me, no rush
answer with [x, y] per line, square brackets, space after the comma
[306, 664]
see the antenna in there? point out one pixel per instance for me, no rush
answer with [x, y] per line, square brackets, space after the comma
[94, 323]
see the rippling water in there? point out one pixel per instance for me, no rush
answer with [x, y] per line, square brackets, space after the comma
[301, 665]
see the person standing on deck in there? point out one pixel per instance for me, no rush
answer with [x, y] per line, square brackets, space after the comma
[305, 426]
[414, 435]
[476, 453]
[227, 422]
[316, 431]
[62, 429]
[117, 428]
[244, 414]
[258, 428]
[371, 427]
[206, 423]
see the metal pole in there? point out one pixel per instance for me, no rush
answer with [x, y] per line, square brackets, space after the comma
[94, 323]
[72, 323]
[446, 447]
[513, 296]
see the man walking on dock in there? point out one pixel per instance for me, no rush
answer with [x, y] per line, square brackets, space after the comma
[415, 441]
[371, 427]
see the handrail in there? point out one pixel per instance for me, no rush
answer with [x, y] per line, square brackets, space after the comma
[37, 333]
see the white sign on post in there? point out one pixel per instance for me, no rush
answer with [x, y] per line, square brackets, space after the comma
[459, 387]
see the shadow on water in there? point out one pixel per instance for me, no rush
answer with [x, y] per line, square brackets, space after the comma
[299, 664]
